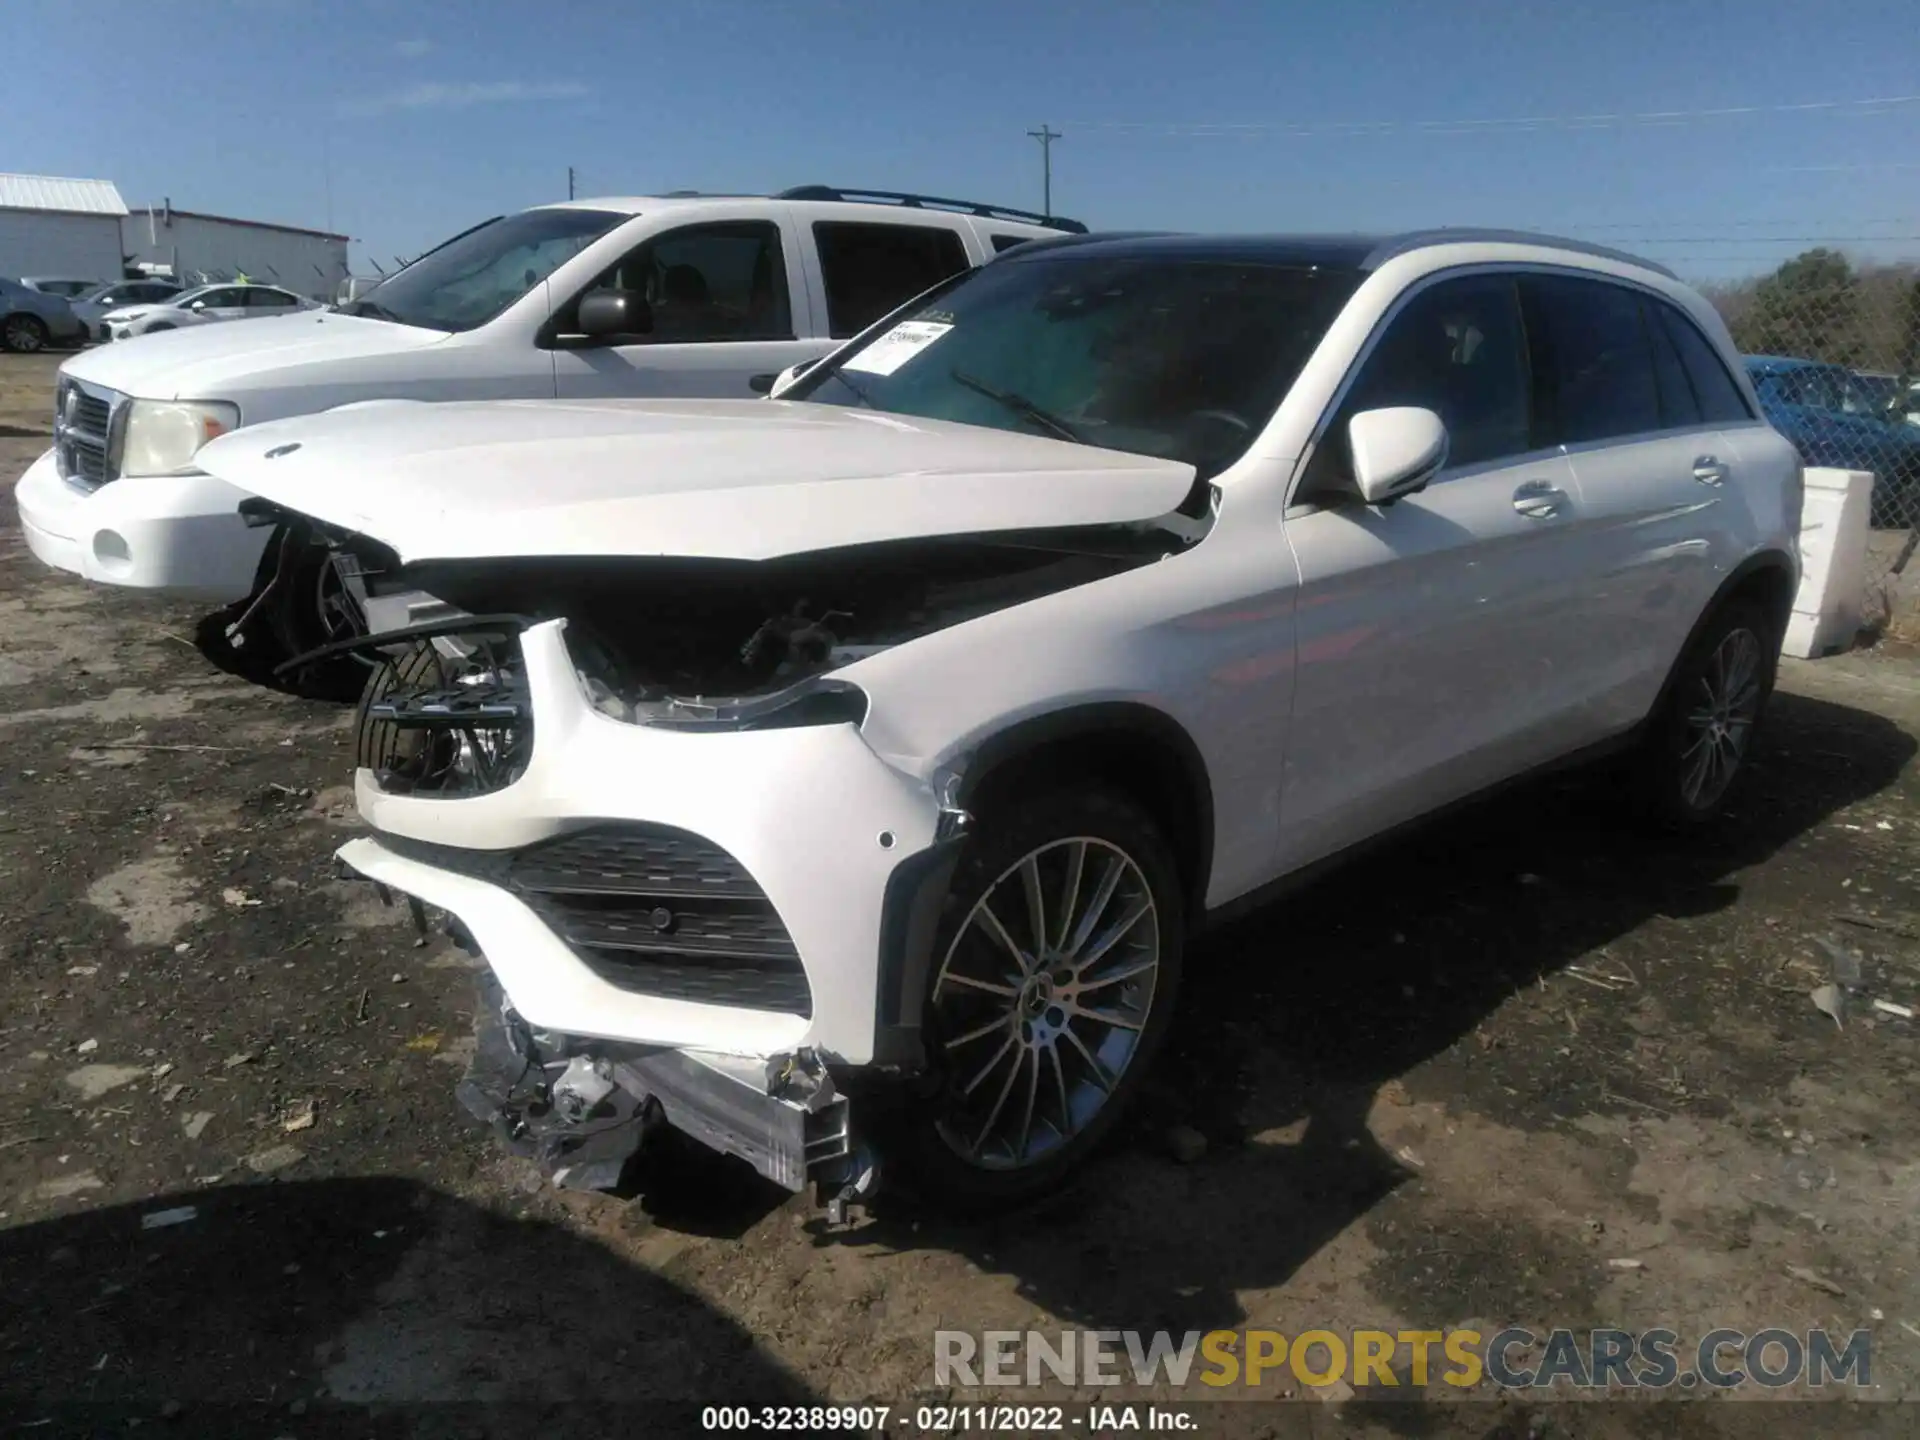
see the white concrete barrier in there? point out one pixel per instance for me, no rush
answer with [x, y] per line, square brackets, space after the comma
[1829, 608]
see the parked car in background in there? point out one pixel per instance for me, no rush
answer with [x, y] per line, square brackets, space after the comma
[65, 287]
[204, 306]
[685, 295]
[1837, 418]
[32, 319]
[910, 725]
[94, 307]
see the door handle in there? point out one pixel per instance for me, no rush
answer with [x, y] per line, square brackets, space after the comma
[1539, 499]
[1709, 471]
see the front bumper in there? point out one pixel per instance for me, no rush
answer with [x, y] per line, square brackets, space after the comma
[180, 533]
[850, 854]
[581, 1110]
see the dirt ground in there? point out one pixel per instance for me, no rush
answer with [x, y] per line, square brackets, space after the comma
[1450, 1085]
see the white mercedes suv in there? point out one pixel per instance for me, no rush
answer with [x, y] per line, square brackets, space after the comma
[843, 774]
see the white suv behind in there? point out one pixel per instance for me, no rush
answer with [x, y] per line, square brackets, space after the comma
[679, 295]
[853, 767]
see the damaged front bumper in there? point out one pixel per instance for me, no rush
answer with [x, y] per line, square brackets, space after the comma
[684, 928]
[582, 1109]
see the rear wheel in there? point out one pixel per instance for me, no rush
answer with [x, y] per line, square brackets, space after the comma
[1699, 742]
[24, 334]
[1057, 965]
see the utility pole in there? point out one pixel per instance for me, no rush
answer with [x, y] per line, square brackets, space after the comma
[570, 182]
[1046, 136]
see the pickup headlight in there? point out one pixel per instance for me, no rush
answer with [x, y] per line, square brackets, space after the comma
[163, 436]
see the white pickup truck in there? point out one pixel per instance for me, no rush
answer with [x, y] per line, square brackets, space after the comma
[655, 296]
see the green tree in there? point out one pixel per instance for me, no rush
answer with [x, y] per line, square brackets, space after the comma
[1809, 307]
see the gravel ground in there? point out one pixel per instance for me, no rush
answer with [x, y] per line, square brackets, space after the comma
[1448, 1085]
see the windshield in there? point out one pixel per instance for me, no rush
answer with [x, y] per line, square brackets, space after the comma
[1181, 358]
[476, 275]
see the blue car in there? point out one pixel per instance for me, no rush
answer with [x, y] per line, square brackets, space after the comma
[1834, 417]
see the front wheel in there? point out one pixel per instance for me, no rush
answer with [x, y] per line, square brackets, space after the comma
[1057, 965]
[1700, 739]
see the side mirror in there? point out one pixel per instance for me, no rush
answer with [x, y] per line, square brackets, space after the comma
[761, 384]
[198, 305]
[605, 314]
[1395, 451]
[784, 380]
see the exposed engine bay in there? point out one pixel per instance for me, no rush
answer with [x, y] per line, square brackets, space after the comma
[680, 642]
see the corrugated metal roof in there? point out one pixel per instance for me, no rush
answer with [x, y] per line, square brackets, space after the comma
[50, 192]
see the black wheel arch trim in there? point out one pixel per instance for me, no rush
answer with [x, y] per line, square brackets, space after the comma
[917, 890]
[1775, 561]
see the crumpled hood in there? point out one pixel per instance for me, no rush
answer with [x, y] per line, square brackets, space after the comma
[721, 479]
[206, 362]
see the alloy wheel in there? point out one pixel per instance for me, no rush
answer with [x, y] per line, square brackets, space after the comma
[1726, 704]
[1042, 998]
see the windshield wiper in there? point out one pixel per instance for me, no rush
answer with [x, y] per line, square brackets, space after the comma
[378, 312]
[1020, 406]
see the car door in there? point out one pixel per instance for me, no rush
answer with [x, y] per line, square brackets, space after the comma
[721, 301]
[1610, 387]
[226, 303]
[1436, 636]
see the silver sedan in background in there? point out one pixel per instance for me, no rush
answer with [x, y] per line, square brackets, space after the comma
[31, 320]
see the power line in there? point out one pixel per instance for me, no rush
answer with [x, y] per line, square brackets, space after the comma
[1046, 136]
[1870, 105]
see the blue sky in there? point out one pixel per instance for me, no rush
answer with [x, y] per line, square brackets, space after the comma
[401, 123]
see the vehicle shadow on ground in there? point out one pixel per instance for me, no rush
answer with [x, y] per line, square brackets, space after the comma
[365, 1307]
[1293, 1018]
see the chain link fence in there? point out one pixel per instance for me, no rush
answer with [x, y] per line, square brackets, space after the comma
[1834, 351]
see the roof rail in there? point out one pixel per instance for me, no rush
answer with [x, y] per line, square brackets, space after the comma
[1423, 239]
[932, 202]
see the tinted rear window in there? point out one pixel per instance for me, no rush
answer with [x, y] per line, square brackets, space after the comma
[1592, 363]
[871, 269]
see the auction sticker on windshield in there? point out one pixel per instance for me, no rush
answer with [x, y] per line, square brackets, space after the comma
[897, 346]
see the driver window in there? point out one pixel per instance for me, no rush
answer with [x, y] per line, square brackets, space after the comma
[1456, 349]
[709, 284]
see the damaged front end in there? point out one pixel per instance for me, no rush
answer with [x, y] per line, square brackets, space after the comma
[583, 1109]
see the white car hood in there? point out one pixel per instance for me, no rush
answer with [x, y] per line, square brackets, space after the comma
[721, 479]
[200, 362]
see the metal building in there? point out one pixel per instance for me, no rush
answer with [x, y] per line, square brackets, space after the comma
[195, 249]
[53, 226]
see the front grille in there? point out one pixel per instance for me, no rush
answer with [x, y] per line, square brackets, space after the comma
[651, 910]
[83, 432]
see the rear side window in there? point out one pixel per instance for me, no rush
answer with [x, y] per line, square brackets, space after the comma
[1593, 367]
[1004, 243]
[1678, 404]
[870, 270]
[265, 299]
[1457, 349]
[1721, 402]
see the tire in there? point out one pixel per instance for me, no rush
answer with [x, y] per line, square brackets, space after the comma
[24, 334]
[1715, 698]
[1023, 1085]
[309, 610]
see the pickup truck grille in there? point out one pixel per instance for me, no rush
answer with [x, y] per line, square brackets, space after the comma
[83, 419]
[649, 909]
